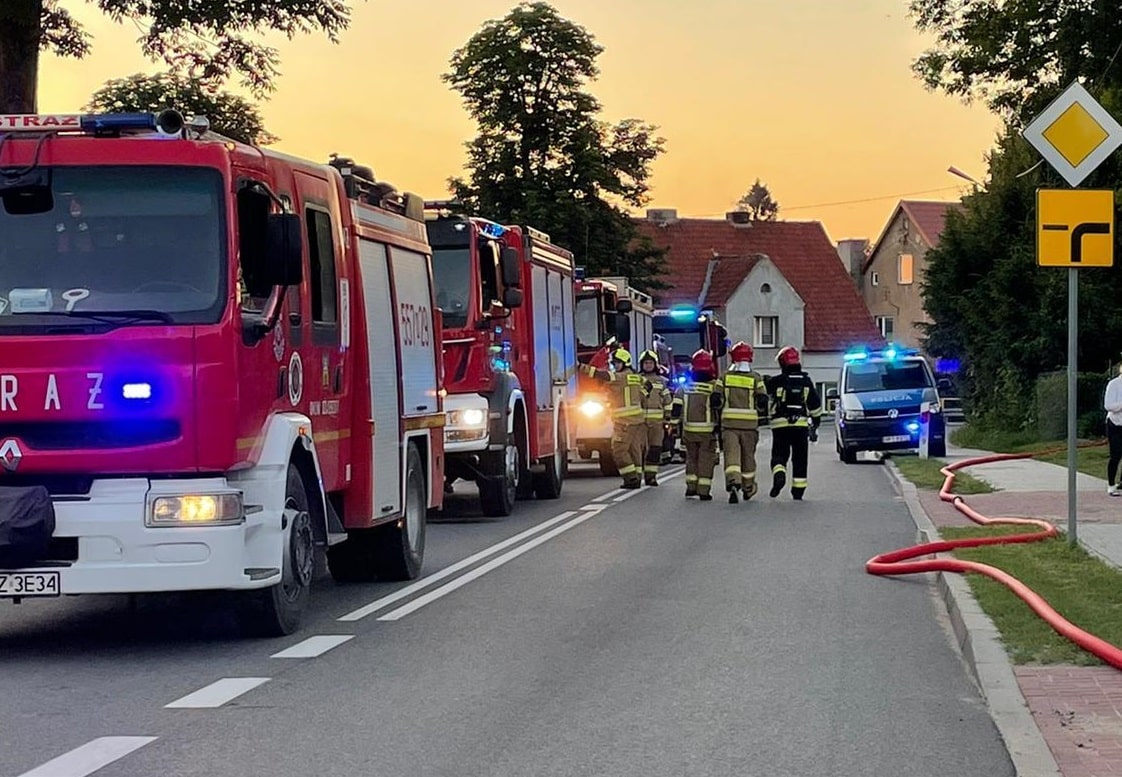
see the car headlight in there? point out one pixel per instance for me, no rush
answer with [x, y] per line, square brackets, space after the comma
[196, 510]
[592, 408]
[854, 415]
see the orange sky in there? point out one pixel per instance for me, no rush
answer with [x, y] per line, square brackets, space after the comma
[814, 97]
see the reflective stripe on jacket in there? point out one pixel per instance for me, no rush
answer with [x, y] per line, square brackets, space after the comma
[745, 399]
[697, 410]
[794, 400]
[656, 404]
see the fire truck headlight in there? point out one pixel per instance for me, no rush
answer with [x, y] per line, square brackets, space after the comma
[473, 416]
[592, 408]
[196, 510]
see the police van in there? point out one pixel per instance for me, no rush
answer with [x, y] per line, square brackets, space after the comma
[884, 397]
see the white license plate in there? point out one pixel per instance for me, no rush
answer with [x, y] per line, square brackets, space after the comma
[30, 584]
[897, 438]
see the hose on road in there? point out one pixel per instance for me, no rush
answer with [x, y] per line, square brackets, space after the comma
[896, 562]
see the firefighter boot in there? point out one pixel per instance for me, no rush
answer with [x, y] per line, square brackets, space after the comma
[650, 469]
[748, 488]
[732, 494]
[778, 480]
[798, 488]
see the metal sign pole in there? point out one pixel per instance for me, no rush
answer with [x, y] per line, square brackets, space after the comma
[1072, 388]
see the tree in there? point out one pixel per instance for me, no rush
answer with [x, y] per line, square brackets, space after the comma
[209, 40]
[758, 204]
[228, 113]
[542, 156]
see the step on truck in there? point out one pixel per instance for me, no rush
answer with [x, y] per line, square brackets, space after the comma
[218, 360]
[506, 298]
[610, 313]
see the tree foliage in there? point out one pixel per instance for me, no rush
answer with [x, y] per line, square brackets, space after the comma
[208, 40]
[757, 202]
[229, 114]
[542, 156]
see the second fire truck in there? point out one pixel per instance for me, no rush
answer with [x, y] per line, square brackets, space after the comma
[506, 294]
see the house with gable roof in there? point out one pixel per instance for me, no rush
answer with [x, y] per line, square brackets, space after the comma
[771, 283]
[890, 277]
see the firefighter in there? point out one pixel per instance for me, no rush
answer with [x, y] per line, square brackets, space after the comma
[745, 410]
[698, 406]
[656, 411]
[796, 412]
[629, 430]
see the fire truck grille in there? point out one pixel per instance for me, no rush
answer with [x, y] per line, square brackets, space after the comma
[56, 485]
[92, 435]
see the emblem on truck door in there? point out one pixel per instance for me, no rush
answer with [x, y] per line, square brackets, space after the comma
[10, 455]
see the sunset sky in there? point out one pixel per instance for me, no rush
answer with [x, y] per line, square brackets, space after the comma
[814, 97]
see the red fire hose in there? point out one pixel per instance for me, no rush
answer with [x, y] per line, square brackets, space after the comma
[895, 562]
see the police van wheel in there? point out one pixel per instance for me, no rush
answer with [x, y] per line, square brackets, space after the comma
[937, 449]
[278, 610]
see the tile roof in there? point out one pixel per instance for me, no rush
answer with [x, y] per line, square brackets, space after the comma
[836, 316]
[929, 217]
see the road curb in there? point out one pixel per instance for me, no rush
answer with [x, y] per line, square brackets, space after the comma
[979, 641]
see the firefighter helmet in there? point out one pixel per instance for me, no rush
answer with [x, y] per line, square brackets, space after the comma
[622, 355]
[787, 356]
[702, 361]
[741, 352]
[648, 354]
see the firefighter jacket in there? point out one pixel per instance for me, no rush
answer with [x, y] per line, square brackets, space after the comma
[698, 405]
[746, 400]
[794, 401]
[656, 404]
[626, 393]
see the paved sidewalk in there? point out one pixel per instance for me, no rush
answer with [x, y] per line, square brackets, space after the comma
[1077, 709]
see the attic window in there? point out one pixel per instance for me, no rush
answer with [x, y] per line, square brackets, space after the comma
[765, 289]
[904, 272]
[875, 280]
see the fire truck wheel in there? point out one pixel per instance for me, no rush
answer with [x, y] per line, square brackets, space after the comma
[399, 546]
[278, 610]
[498, 488]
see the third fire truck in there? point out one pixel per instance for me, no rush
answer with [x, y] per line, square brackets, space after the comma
[506, 294]
[217, 361]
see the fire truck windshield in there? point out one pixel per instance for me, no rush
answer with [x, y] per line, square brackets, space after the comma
[588, 323]
[117, 239]
[451, 270]
[683, 344]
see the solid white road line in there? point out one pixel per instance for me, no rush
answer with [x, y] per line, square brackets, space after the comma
[218, 693]
[425, 582]
[609, 495]
[478, 572]
[314, 646]
[90, 757]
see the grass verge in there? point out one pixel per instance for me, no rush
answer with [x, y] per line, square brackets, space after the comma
[924, 473]
[1090, 461]
[1079, 586]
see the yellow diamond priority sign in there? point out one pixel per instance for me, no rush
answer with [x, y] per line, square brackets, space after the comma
[1075, 227]
[1074, 133]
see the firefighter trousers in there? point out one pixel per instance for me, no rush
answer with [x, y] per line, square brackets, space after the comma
[653, 451]
[792, 442]
[627, 450]
[740, 459]
[701, 459]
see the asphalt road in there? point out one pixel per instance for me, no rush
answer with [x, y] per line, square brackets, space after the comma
[584, 636]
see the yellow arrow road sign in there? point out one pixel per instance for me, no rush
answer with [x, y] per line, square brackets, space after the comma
[1074, 227]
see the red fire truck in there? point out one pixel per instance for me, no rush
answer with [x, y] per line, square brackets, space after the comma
[506, 296]
[610, 313]
[217, 360]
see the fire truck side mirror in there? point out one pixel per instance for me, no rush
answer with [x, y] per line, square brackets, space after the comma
[285, 252]
[512, 298]
[624, 306]
[512, 270]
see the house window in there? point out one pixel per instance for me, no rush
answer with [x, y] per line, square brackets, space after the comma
[904, 270]
[886, 326]
[765, 289]
[875, 279]
[765, 331]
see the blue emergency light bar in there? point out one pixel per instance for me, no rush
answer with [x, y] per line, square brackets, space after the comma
[890, 352]
[683, 312]
[579, 273]
[491, 229]
[168, 122]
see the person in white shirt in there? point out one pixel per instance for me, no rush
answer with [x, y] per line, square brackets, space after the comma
[1112, 403]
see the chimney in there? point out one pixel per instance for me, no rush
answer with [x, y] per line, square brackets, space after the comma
[739, 218]
[853, 253]
[662, 216]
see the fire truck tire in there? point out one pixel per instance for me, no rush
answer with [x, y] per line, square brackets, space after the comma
[399, 546]
[392, 551]
[547, 485]
[498, 487]
[608, 467]
[278, 610]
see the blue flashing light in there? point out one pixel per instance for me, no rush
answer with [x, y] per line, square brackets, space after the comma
[579, 273]
[493, 230]
[119, 121]
[912, 427]
[502, 365]
[137, 391]
[681, 379]
[856, 356]
[683, 313]
[947, 365]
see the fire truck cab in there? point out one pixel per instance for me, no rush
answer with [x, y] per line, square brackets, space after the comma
[219, 360]
[506, 296]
